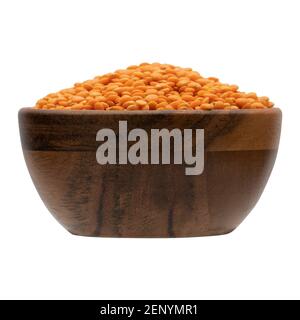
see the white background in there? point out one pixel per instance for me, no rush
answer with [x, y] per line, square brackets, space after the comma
[48, 45]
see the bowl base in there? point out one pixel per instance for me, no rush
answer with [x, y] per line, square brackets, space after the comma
[209, 233]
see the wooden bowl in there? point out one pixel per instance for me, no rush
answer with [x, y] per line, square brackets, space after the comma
[126, 200]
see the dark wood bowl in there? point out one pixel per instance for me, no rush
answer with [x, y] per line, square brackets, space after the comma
[90, 199]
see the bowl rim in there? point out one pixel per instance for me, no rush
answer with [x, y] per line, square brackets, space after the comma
[39, 128]
[48, 112]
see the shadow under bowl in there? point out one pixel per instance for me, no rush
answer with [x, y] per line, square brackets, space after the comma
[146, 200]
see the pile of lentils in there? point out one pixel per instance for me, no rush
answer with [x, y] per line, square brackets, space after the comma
[152, 86]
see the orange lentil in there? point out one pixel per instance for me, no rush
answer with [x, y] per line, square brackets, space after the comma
[195, 103]
[152, 87]
[218, 105]
[125, 98]
[77, 98]
[151, 97]
[133, 107]
[207, 106]
[141, 103]
[231, 108]
[162, 104]
[240, 102]
[257, 105]
[128, 103]
[251, 95]
[151, 91]
[101, 105]
[115, 108]
[152, 105]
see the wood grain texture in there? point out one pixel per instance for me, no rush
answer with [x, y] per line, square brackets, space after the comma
[149, 200]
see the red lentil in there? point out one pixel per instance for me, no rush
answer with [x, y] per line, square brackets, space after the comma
[153, 87]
